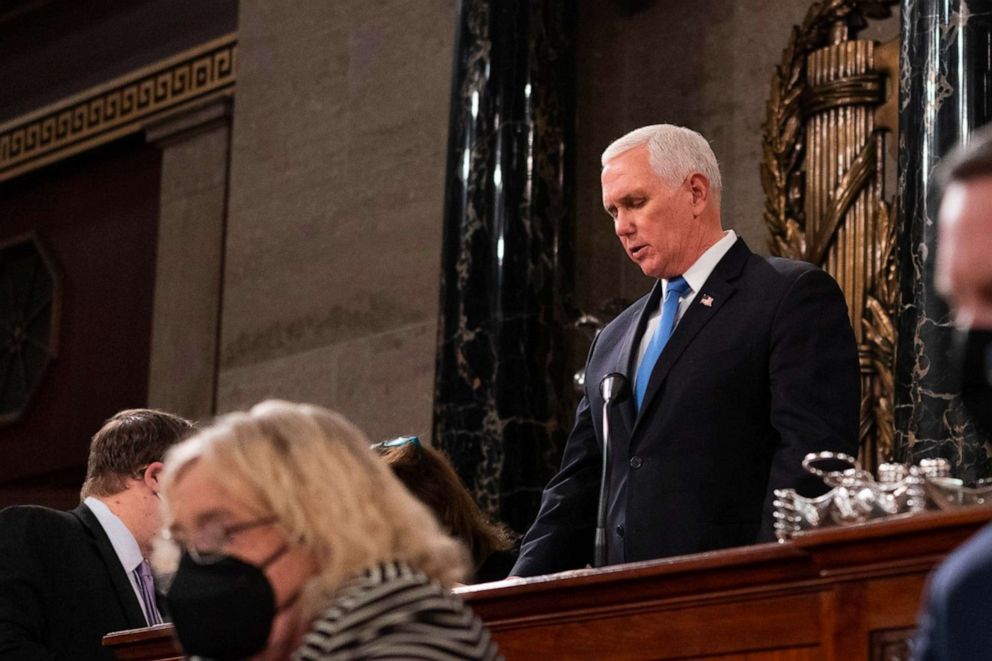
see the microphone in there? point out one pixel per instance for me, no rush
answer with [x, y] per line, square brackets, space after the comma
[611, 385]
[610, 388]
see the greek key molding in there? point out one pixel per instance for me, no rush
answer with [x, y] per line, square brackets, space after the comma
[116, 108]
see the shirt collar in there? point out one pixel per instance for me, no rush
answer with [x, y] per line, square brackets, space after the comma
[697, 274]
[125, 545]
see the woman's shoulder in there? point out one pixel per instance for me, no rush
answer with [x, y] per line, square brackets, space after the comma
[391, 611]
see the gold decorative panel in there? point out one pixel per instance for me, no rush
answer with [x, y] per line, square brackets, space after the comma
[116, 108]
[832, 103]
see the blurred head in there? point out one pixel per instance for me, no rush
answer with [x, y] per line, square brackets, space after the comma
[294, 489]
[427, 474]
[964, 248]
[661, 187]
[964, 267]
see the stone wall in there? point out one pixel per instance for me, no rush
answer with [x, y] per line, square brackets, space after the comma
[334, 226]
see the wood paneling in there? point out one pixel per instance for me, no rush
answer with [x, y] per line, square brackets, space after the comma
[835, 594]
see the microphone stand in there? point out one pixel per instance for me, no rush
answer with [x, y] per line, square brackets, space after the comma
[608, 387]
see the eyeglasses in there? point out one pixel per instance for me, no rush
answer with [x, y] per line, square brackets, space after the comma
[396, 442]
[207, 545]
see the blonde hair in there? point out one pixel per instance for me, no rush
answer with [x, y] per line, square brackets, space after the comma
[313, 471]
[674, 152]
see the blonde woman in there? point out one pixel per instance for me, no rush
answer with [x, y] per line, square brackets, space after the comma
[288, 538]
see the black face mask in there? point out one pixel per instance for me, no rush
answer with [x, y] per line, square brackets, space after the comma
[222, 610]
[973, 353]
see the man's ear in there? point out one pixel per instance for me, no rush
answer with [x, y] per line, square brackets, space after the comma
[150, 476]
[699, 187]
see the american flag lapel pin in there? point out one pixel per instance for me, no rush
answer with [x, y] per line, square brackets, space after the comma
[707, 300]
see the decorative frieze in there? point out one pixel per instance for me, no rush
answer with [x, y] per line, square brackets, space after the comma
[116, 108]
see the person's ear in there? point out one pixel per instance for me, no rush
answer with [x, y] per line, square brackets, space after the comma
[151, 475]
[699, 188]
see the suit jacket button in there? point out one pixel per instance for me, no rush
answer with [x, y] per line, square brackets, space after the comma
[636, 462]
[620, 530]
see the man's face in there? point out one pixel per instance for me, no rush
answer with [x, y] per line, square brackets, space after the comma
[654, 220]
[964, 256]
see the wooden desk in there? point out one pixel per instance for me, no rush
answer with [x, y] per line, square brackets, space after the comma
[850, 593]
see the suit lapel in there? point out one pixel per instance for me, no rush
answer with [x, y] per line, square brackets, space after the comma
[115, 571]
[628, 355]
[711, 297]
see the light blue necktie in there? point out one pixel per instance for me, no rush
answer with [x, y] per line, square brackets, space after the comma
[677, 288]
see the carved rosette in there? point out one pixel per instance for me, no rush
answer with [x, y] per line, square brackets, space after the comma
[822, 171]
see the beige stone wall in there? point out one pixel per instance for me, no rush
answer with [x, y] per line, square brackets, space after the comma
[182, 370]
[335, 210]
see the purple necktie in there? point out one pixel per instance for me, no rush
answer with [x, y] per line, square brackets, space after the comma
[146, 584]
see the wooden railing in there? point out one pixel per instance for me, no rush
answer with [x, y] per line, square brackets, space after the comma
[846, 593]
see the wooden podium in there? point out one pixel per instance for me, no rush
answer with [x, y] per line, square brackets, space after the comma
[843, 593]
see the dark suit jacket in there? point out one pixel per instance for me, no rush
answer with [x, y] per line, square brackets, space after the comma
[745, 387]
[62, 586]
[954, 624]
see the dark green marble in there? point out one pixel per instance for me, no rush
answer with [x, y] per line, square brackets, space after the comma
[945, 94]
[506, 254]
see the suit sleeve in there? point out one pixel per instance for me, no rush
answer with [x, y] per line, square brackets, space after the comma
[953, 623]
[22, 602]
[815, 384]
[562, 536]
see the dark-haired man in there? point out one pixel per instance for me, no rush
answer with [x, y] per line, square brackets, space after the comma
[954, 623]
[69, 578]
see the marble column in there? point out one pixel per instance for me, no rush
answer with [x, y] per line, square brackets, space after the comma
[945, 94]
[500, 379]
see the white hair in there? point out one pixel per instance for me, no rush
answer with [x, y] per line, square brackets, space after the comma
[674, 152]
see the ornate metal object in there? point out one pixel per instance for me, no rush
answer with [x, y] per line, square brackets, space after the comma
[856, 497]
[832, 100]
[588, 327]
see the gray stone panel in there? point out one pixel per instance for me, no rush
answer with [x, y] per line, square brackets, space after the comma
[334, 229]
[382, 382]
[183, 362]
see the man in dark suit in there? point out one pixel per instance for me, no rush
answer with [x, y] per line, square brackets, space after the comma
[954, 621]
[69, 578]
[736, 367]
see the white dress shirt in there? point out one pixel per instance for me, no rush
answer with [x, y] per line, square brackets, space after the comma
[695, 276]
[125, 545]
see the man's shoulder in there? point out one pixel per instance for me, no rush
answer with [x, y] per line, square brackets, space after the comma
[772, 278]
[782, 269]
[968, 569]
[622, 321]
[34, 514]
[36, 519]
